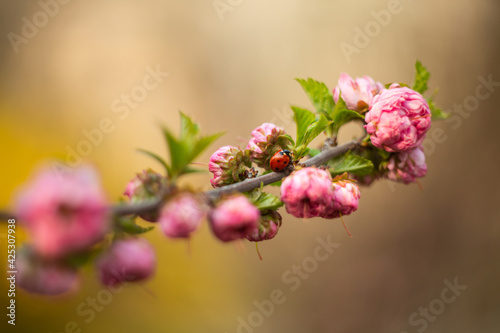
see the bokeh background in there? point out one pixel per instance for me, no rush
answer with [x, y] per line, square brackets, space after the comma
[231, 69]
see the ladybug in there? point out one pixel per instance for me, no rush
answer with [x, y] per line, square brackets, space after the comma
[280, 160]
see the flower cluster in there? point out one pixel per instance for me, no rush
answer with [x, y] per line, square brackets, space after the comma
[69, 221]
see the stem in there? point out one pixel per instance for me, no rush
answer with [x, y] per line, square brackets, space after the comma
[244, 186]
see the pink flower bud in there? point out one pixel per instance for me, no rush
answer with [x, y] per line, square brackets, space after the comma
[130, 259]
[266, 140]
[268, 227]
[234, 218]
[398, 119]
[307, 192]
[357, 93]
[65, 215]
[404, 167]
[345, 198]
[229, 165]
[146, 185]
[47, 278]
[181, 216]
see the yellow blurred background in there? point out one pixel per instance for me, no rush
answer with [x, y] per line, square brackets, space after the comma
[231, 65]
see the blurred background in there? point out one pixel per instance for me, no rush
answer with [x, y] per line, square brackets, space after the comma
[231, 66]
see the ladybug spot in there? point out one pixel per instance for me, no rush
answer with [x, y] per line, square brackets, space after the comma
[279, 161]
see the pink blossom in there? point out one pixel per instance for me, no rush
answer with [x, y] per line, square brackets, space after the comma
[130, 259]
[234, 218]
[268, 227]
[398, 119]
[357, 93]
[146, 185]
[345, 199]
[66, 215]
[404, 167]
[41, 277]
[307, 192]
[228, 164]
[181, 216]
[260, 136]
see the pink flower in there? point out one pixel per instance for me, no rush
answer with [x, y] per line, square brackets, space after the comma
[229, 165]
[268, 227]
[398, 119]
[404, 167]
[266, 140]
[345, 198]
[66, 215]
[234, 218]
[307, 192]
[181, 216]
[146, 185]
[40, 277]
[130, 259]
[357, 93]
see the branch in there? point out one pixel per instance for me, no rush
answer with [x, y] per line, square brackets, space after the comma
[244, 186]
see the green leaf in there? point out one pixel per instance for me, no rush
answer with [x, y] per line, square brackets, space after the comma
[179, 153]
[188, 128]
[303, 118]
[156, 157]
[421, 78]
[341, 116]
[315, 129]
[267, 201]
[313, 152]
[203, 143]
[350, 163]
[319, 94]
[128, 225]
[436, 112]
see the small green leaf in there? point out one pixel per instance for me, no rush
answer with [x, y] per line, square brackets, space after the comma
[315, 129]
[436, 112]
[188, 128]
[156, 157]
[303, 118]
[350, 163]
[319, 94]
[421, 78]
[267, 201]
[202, 144]
[313, 152]
[341, 115]
[128, 225]
[179, 153]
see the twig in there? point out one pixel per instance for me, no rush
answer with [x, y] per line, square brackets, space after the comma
[244, 186]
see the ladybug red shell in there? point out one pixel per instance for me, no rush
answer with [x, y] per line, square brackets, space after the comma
[280, 160]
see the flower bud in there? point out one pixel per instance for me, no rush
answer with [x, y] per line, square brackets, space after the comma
[357, 93]
[268, 227]
[266, 140]
[345, 198]
[234, 218]
[181, 215]
[38, 276]
[130, 259]
[63, 216]
[229, 165]
[307, 192]
[398, 119]
[404, 167]
[146, 185]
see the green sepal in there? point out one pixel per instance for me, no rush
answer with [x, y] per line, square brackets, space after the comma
[128, 225]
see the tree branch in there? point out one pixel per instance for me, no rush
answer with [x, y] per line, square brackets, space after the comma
[244, 186]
